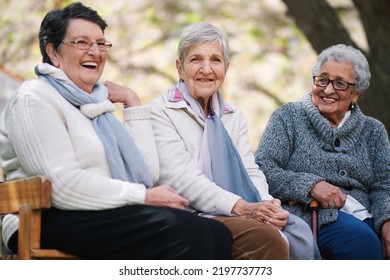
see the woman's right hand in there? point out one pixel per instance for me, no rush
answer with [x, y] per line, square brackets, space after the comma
[328, 195]
[164, 195]
[121, 94]
[268, 212]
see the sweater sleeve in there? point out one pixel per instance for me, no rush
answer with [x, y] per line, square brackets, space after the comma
[380, 188]
[137, 121]
[40, 136]
[273, 154]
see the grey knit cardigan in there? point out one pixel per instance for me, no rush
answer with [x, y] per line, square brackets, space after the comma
[299, 148]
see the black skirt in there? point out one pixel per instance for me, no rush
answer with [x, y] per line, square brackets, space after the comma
[133, 232]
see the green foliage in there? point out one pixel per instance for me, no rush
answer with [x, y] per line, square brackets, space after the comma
[256, 33]
[270, 64]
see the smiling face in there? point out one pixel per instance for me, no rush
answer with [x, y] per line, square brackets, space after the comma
[83, 67]
[203, 71]
[333, 104]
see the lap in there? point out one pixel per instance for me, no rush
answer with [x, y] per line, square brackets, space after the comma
[255, 240]
[134, 232]
[348, 238]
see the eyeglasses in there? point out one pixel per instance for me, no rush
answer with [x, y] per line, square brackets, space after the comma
[85, 44]
[322, 81]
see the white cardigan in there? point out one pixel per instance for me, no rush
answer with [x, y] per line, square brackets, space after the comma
[43, 134]
[178, 134]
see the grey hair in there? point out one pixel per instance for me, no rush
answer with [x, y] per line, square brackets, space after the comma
[201, 32]
[344, 53]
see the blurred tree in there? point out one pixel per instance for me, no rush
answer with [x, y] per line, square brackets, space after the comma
[323, 26]
[270, 57]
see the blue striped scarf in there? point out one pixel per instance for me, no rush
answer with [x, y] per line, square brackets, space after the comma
[126, 161]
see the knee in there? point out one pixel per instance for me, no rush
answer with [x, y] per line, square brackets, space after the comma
[176, 223]
[273, 241]
[365, 244]
[184, 234]
[261, 242]
[352, 242]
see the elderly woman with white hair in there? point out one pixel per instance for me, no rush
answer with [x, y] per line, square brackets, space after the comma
[204, 154]
[325, 149]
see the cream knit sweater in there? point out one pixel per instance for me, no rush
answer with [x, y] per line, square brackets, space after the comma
[42, 134]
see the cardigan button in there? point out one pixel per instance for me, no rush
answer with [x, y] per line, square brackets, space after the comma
[337, 142]
[342, 173]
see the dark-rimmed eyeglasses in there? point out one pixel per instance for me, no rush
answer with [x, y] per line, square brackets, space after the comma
[85, 44]
[322, 81]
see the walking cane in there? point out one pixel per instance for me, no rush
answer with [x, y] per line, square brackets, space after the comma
[314, 207]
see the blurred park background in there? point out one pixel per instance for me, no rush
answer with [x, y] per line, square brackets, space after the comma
[274, 44]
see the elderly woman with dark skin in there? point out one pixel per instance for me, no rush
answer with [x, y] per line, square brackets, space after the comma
[205, 156]
[324, 148]
[61, 125]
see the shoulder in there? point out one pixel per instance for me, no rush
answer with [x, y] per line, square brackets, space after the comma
[158, 105]
[290, 108]
[37, 90]
[34, 89]
[231, 111]
[158, 101]
[373, 123]
[374, 128]
[288, 113]
[34, 86]
[165, 102]
[233, 117]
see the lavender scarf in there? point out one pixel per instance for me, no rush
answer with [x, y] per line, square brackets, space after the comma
[220, 161]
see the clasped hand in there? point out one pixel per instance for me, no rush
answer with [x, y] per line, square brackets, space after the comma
[269, 212]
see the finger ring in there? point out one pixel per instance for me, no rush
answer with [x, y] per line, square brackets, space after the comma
[331, 205]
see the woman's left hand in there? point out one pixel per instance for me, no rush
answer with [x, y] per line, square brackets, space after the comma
[386, 239]
[281, 215]
[164, 195]
[265, 211]
[122, 94]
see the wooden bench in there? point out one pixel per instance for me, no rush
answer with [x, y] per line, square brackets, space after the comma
[28, 197]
